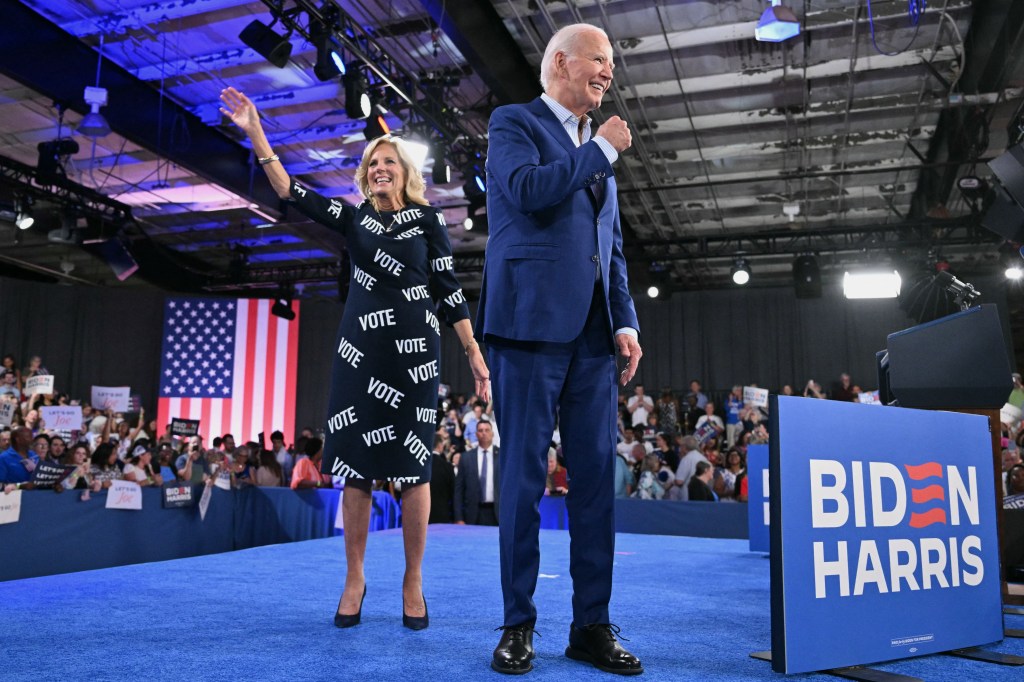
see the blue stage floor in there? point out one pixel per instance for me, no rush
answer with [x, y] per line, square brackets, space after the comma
[693, 609]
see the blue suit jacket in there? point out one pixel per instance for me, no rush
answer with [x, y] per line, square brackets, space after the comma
[546, 227]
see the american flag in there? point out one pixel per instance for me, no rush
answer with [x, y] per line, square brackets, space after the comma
[230, 364]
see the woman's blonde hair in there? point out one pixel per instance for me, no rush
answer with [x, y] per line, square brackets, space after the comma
[415, 188]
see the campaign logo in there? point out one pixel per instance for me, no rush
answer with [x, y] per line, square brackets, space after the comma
[940, 500]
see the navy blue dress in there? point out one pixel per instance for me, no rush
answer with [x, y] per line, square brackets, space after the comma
[382, 410]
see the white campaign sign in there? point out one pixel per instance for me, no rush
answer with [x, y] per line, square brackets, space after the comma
[10, 507]
[113, 397]
[39, 385]
[758, 397]
[62, 418]
[124, 495]
[7, 408]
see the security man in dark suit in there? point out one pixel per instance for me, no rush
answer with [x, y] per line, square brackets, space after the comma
[476, 485]
[442, 483]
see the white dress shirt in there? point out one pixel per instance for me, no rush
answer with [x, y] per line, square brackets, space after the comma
[487, 494]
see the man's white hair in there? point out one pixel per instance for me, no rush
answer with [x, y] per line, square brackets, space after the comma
[564, 40]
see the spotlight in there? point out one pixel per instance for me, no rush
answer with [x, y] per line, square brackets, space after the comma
[329, 64]
[417, 151]
[273, 47]
[357, 100]
[376, 125]
[777, 23]
[871, 284]
[24, 218]
[442, 172]
[467, 224]
[476, 214]
[740, 271]
[653, 291]
[94, 125]
[283, 308]
[1014, 272]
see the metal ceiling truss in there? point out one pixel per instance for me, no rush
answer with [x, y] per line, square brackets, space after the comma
[424, 106]
[86, 202]
[274, 277]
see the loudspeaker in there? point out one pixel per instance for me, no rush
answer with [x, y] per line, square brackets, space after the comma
[1004, 216]
[806, 277]
[1009, 168]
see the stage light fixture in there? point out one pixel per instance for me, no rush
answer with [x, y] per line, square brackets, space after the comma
[467, 224]
[94, 124]
[357, 101]
[329, 64]
[1014, 272]
[740, 271]
[273, 47]
[283, 308]
[442, 171]
[777, 23]
[417, 151]
[24, 218]
[653, 291]
[376, 124]
[871, 284]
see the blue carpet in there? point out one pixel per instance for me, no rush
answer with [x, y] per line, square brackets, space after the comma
[694, 609]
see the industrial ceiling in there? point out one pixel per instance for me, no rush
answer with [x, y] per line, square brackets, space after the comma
[846, 142]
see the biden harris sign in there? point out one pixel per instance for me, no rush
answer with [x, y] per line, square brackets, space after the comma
[883, 534]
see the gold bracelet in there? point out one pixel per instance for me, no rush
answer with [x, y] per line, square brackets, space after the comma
[264, 160]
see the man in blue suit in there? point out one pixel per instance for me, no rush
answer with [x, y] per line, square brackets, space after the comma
[554, 305]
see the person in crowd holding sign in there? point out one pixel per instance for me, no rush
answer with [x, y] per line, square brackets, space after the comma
[709, 417]
[18, 462]
[386, 376]
[35, 369]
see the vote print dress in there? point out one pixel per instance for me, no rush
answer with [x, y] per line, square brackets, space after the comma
[382, 409]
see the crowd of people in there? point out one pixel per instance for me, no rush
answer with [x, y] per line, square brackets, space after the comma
[110, 446]
[690, 448]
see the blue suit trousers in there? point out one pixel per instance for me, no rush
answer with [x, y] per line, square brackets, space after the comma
[532, 381]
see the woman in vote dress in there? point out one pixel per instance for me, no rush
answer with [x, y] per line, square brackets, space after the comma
[382, 410]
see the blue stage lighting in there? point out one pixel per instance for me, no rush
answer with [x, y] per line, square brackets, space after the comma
[777, 24]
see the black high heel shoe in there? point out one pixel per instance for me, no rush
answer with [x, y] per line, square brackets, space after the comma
[346, 621]
[416, 622]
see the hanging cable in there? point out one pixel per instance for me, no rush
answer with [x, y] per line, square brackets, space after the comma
[915, 8]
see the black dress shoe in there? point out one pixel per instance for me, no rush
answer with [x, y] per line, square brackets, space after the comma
[346, 621]
[514, 652]
[416, 622]
[596, 644]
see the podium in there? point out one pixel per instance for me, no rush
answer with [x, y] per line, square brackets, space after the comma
[959, 363]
